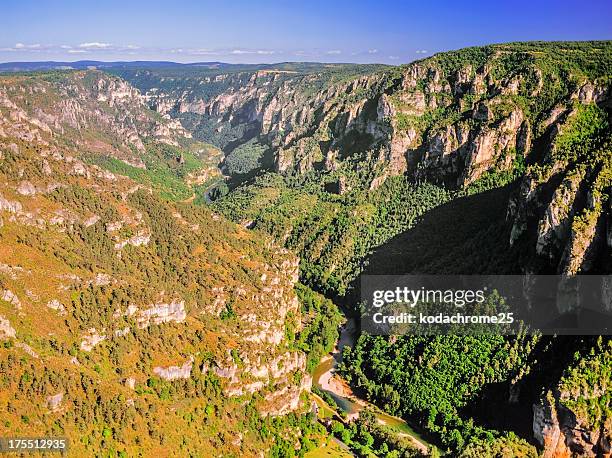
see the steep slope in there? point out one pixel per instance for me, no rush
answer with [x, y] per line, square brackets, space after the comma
[483, 160]
[288, 108]
[109, 123]
[576, 419]
[130, 324]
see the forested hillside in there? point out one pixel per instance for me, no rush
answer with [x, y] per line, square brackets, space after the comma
[132, 324]
[465, 121]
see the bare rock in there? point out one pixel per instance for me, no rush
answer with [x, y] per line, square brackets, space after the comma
[79, 169]
[10, 297]
[6, 330]
[26, 188]
[13, 272]
[562, 435]
[53, 402]
[137, 240]
[10, 206]
[112, 227]
[174, 372]
[91, 339]
[554, 226]
[46, 168]
[57, 305]
[102, 279]
[226, 372]
[93, 219]
[163, 313]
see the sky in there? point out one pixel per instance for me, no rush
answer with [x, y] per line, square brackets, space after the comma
[243, 31]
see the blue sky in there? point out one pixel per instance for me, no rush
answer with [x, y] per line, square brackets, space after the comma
[274, 31]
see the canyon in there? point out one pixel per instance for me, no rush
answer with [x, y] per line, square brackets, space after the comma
[156, 224]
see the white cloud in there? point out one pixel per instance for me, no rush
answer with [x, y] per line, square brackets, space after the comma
[250, 51]
[76, 51]
[421, 51]
[334, 51]
[393, 57]
[23, 46]
[201, 52]
[66, 47]
[95, 45]
[372, 51]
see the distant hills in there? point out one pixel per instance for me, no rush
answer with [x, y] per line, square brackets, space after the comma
[88, 64]
[8, 67]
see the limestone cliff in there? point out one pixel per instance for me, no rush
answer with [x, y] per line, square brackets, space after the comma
[457, 118]
[574, 418]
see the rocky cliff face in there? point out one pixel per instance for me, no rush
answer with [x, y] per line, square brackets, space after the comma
[91, 108]
[429, 119]
[574, 418]
[424, 120]
[562, 435]
[563, 201]
[209, 306]
[532, 116]
[285, 110]
[457, 118]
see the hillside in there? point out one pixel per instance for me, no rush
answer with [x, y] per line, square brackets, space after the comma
[308, 156]
[129, 323]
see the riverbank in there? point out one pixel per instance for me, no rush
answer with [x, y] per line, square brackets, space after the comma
[325, 378]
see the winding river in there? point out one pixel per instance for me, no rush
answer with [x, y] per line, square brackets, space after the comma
[326, 379]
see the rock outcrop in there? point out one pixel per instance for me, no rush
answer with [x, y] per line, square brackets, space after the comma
[10, 297]
[91, 339]
[562, 435]
[6, 330]
[54, 402]
[174, 372]
[162, 313]
[93, 102]
[385, 113]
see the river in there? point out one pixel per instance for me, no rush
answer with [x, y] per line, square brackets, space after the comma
[326, 379]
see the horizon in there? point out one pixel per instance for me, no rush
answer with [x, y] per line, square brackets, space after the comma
[364, 32]
[195, 62]
[280, 62]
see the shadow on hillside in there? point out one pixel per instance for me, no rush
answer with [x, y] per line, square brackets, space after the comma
[494, 408]
[469, 235]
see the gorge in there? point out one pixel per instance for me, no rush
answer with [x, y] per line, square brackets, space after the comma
[198, 220]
